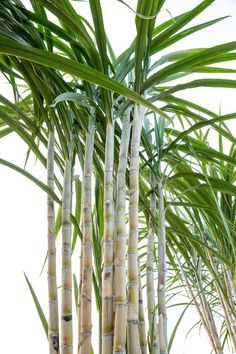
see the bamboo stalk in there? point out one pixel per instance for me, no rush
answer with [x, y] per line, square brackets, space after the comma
[53, 325]
[133, 281]
[120, 244]
[108, 245]
[84, 346]
[152, 318]
[162, 316]
[142, 325]
[66, 299]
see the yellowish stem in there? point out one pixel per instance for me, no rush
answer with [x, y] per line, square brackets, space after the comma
[108, 245]
[66, 298]
[53, 330]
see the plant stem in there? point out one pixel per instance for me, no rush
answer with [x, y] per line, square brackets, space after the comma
[152, 318]
[142, 326]
[53, 326]
[87, 265]
[80, 291]
[66, 299]
[120, 244]
[133, 281]
[162, 317]
[108, 245]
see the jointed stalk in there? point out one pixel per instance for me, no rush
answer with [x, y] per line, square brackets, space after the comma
[152, 319]
[108, 245]
[79, 291]
[66, 299]
[162, 317]
[53, 330]
[120, 245]
[133, 281]
[142, 325]
[87, 266]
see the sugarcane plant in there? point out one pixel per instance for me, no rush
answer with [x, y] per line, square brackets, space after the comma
[154, 187]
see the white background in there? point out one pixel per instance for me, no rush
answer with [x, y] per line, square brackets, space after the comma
[23, 205]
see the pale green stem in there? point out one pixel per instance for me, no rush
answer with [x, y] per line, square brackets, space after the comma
[152, 318]
[162, 317]
[84, 346]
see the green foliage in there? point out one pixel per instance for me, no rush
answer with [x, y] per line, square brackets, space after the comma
[38, 306]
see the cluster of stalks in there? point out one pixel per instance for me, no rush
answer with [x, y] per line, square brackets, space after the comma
[120, 314]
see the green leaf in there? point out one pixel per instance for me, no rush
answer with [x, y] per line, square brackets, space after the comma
[177, 324]
[43, 186]
[170, 57]
[198, 59]
[38, 307]
[77, 212]
[58, 221]
[173, 39]
[142, 41]
[199, 125]
[76, 290]
[73, 97]
[100, 35]
[215, 183]
[180, 23]
[199, 83]
[4, 132]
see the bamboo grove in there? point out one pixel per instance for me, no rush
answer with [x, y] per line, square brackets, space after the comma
[150, 206]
